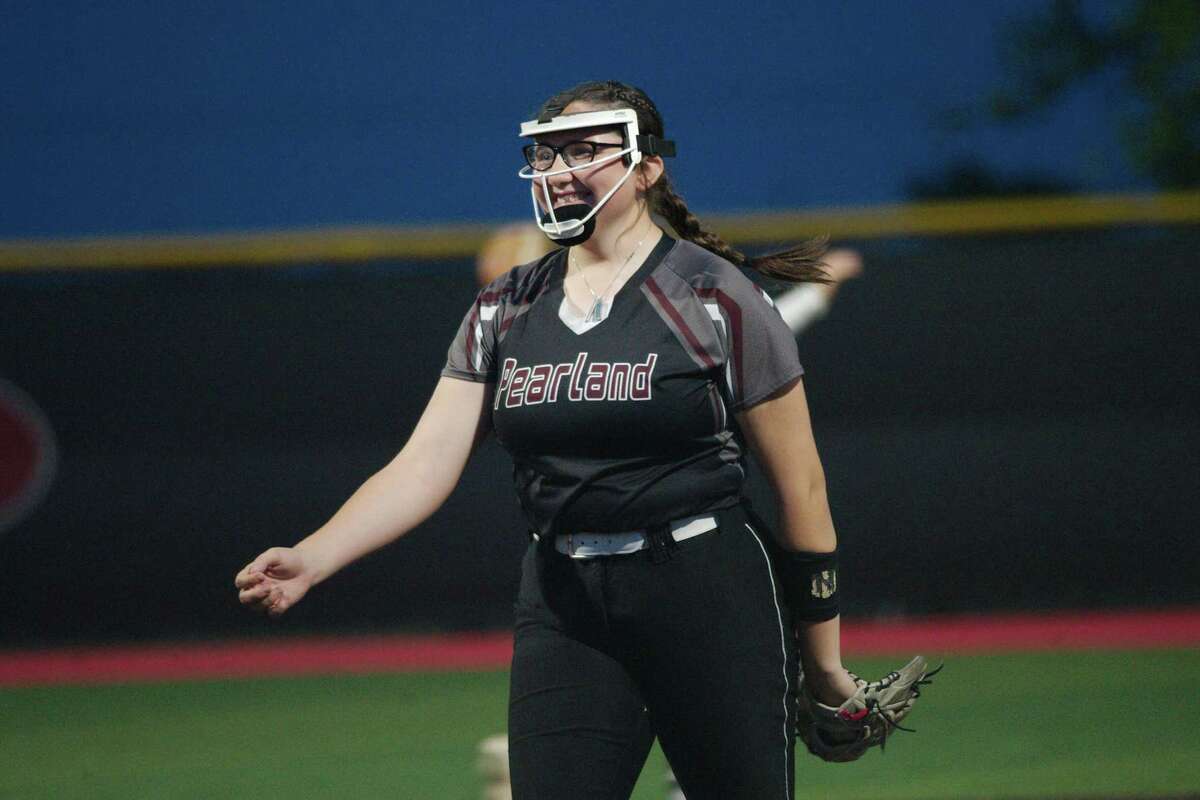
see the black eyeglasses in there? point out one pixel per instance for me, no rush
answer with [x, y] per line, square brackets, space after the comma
[574, 154]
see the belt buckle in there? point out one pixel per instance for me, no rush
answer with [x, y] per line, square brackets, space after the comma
[661, 540]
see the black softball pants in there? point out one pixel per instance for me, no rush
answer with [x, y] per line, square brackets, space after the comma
[694, 646]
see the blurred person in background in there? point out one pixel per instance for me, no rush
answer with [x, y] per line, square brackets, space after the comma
[650, 590]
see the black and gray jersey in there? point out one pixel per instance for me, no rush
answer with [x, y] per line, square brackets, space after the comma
[628, 422]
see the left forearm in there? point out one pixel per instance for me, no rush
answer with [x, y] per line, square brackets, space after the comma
[781, 436]
[820, 647]
[804, 519]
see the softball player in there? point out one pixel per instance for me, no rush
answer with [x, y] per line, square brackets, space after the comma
[626, 373]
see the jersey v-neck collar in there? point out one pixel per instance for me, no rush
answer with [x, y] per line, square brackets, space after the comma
[573, 317]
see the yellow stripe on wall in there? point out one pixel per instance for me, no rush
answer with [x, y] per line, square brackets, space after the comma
[374, 243]
[967, 217]
[259, 248]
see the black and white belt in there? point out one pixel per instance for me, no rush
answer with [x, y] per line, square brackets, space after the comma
[590, 545]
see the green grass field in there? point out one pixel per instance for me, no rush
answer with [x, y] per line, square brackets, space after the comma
[1036, 725]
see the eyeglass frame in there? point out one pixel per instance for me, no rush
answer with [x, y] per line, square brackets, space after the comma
[528, 150]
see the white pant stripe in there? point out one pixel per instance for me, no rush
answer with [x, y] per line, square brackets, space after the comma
[787, 738]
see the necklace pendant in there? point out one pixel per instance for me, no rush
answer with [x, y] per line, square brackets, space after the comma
[596, 313]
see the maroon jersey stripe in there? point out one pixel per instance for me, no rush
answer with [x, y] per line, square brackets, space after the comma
[733, 312]
[469, 343]
[679, 322]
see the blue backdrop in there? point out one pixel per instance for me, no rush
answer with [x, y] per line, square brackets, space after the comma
[176, 116]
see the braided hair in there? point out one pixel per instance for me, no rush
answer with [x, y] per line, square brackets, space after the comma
[798, 264]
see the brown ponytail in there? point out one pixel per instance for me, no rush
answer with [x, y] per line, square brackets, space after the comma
[799, 264]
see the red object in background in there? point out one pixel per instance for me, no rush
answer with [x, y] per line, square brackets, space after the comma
[27, 455]
[936, 637]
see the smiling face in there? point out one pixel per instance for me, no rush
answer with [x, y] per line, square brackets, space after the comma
[589, 184]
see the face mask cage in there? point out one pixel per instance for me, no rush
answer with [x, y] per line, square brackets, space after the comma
[637, 145]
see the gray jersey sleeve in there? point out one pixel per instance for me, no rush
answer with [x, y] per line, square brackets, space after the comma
[759, 349]
[472, 354]
[726, 323]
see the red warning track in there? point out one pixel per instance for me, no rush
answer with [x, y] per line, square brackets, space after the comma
[934, 636]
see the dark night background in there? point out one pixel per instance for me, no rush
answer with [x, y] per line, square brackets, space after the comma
[1008, 421]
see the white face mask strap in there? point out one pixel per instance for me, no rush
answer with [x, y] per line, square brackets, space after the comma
[610, 193]
[555, 227]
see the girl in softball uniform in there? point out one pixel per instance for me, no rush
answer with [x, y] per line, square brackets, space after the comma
[628, 373]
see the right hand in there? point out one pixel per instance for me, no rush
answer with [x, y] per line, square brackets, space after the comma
[275, 581]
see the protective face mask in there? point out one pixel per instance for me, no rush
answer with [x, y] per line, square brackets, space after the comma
[575, 223]
[572, 224]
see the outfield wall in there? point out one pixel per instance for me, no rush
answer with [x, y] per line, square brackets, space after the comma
[1009, 421]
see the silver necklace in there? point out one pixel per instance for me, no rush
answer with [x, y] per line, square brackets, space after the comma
[596, 312]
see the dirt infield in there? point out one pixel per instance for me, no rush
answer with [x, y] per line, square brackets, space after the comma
[485, 651]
